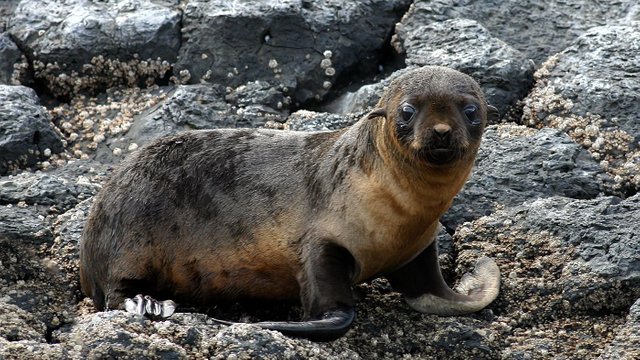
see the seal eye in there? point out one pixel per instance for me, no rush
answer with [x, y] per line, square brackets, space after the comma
[472, 114]
[407, 112]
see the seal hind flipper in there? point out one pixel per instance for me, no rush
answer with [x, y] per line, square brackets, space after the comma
[426, 291]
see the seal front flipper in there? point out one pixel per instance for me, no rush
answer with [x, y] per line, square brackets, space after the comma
[330, 326]
[426, 291]
[148, 306]
[325, 292]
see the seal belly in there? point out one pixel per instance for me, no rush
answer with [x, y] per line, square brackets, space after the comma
[259, 270]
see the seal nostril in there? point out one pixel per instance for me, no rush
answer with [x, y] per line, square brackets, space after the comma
[442, 130]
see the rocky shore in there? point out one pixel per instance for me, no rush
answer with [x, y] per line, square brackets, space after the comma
[553, 197]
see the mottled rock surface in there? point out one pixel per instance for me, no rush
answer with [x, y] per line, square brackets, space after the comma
[301, 45]
[504, 73]
[596, 102]
[27, 134]
[516, 164]
[535, 27]
[9, 55]
[105, 42]
[553, 198]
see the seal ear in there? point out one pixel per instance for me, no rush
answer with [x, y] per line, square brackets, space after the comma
[492, 113]
[379, 112]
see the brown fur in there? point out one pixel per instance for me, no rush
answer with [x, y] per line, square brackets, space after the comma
[226, 214]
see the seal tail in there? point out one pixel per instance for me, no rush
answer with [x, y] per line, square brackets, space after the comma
[475, 291]
[330, 326]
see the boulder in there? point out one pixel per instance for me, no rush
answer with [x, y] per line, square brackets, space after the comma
[9, 56]
[303, 46]
[197, 107]
[81, 45]
[534, 27]
[26, 132]
[596, 101]
[626, 344]
[560, 256]
[505, 74]
[516, 164]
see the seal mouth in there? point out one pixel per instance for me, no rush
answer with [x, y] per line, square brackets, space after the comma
[440, 156]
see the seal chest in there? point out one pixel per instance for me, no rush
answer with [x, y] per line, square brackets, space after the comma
[226, 214]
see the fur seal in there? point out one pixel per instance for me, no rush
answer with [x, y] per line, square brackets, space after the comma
[205, 216]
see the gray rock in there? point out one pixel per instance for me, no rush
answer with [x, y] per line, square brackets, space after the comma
[535, 27]
[26, 131]
[32, 288]
[63, 39]
[301, 45]
[62, 187]
[26, 224]
[504, 73]
[516, 164]
[364, 98]
[626, 344]
[9, 55]
[595, 101]
[67, 231]
[6, 9]
[196, 107]
[304, 120]
[560, 256]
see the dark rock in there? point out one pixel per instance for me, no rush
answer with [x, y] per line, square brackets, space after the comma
[25, 224]
[595, 101]
[196, 107]
[99, 41]
[26, 133]
[32, 287]
[561, 256]
[301, 45]
[62, 187]
[9, 55]
[535, 27]
[303, 120]
[626, 344]
[365, 98]
[6, 9]
[505, 74]
[516, 164]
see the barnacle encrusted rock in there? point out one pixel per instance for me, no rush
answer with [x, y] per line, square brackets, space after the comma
[596, 102]
[27, 134]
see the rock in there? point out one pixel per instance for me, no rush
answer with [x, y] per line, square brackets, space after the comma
[560, 256]
[365, 98]
[9, 55]
[25, 224]
[626, 344]
[534, 27]
[65, 250]
[31, 293]
[26, 132]
[6, 9]
[62, 188]
[505, 74]
[197, 107]
[87, 45]
[516, 164]
[304, 120]
[595, 101]
[301, 45]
